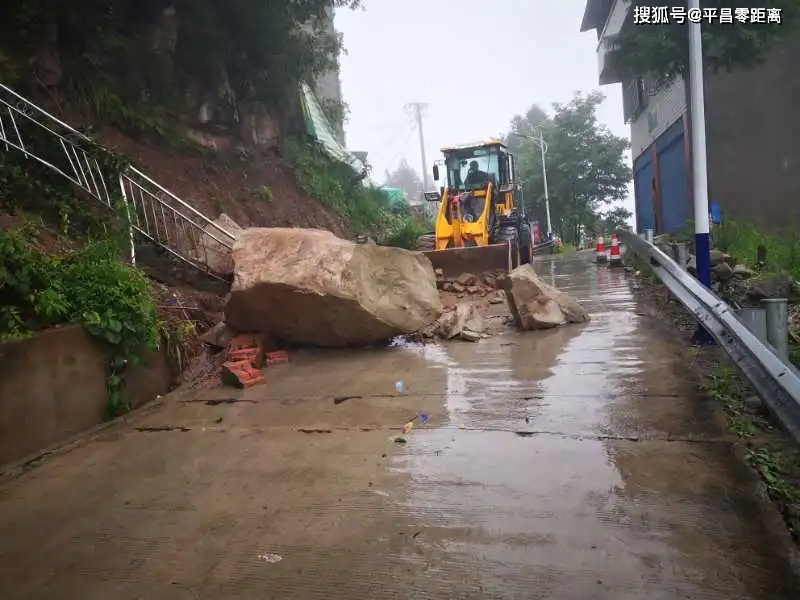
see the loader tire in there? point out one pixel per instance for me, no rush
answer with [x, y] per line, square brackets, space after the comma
[510, 235]
[525, 244]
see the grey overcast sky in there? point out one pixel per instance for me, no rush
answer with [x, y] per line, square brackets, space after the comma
[476, 62]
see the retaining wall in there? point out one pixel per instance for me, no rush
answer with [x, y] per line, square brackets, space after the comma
[53, 386]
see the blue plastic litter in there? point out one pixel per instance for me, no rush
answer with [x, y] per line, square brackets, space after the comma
[716, 213]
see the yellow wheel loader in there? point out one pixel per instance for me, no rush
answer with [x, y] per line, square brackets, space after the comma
[481, 223]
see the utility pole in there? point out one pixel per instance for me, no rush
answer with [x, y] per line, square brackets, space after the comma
[699, 166]
[697, 113]
[539, 141]
[418, 108]
[543, 148]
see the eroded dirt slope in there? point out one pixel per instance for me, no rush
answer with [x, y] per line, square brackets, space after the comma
[229, 183]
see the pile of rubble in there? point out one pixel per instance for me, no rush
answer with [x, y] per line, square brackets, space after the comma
[242, 357]
[307, 287]
[462, 310]
[530, 304]
[468, 284]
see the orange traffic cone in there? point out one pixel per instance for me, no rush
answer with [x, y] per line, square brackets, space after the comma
[600, 249]
[615, 258]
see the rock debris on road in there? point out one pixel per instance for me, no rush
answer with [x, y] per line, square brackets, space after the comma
[573, 463]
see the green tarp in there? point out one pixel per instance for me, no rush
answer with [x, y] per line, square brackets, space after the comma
[395, 197]
[320, 128]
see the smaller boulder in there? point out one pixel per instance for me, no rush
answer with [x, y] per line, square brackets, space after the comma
[779, 286]
[718, 256]
[470, 336]
[536, 305]
[743, 272]
[691, 264]
[464, 317]
[722, 271]
[466, 279]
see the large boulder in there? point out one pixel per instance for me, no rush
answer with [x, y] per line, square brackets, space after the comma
[536, 305]
[308, 286]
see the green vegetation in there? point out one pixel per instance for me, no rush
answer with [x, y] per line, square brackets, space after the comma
[766, 450]
[742, 242]
[91, 287]
[662, 50]
[405, 178]
[587, 169]
[405, 231]
[365, 208]
[336, 185]
[264, 193]
[141, 65]
[743, 239]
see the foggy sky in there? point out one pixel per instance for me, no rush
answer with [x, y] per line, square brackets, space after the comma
[477, 64]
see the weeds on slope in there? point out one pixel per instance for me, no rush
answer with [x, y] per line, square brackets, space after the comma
[364, 207]
[337, 186]
[767, 449]
[742, 241]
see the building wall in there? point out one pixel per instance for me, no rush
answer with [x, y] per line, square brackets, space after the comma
[753, 137]
[616, 18]
[663, 109]
[660, 161]
[328, 86]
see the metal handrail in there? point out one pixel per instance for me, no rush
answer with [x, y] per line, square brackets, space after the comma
[153, 211]
[776, 382]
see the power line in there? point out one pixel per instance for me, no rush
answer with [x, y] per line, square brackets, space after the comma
[403, 146]
[418, 108]
[393, 138]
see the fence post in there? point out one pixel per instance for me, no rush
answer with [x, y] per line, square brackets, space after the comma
[680, 254]
[777, 310]
[128, 214]
[755, 319]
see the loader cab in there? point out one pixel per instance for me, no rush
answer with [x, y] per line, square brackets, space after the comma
[492, 159]
[490, 162]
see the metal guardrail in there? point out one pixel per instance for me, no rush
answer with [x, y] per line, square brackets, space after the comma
[777, 383]
[154, 212]
[547, 247]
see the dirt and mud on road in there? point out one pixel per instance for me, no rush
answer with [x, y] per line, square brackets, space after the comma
[572, 463]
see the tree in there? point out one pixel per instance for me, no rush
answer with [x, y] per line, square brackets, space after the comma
[527, 125]
[120, 56]
[406, 179]
[662, 50]
[587, 168]
[614, 218]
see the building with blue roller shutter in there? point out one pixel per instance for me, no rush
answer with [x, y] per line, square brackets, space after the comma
[752, 126]
[658, 130]
[661, 173]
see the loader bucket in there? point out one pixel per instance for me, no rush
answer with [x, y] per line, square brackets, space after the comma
[474, 260]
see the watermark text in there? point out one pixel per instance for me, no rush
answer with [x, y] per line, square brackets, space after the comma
[664, 15]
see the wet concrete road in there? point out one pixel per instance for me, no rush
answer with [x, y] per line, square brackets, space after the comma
[571, 464]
